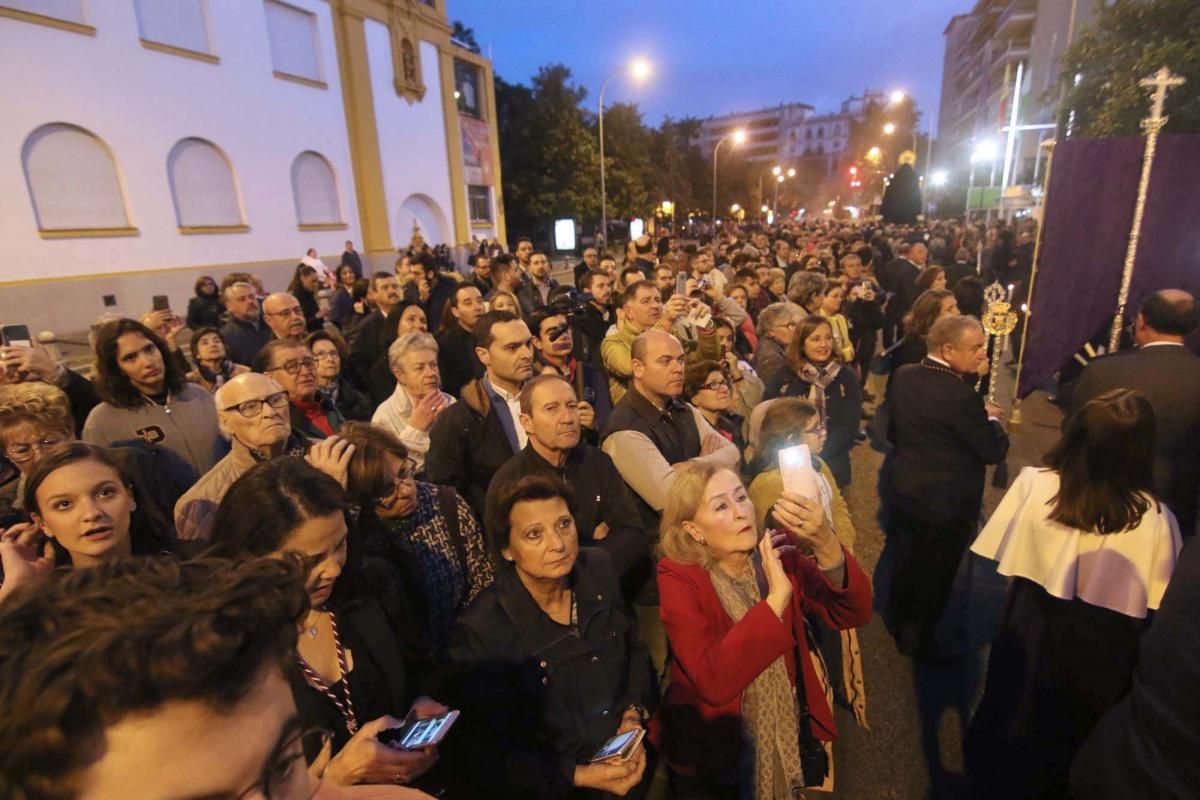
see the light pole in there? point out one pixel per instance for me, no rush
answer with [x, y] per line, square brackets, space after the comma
[738, 137]
[780, 178]
[639, 69]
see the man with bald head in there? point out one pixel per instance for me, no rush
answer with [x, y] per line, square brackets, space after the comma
[252, 410]
[1168, 373]
[649, 433]
[284, 315]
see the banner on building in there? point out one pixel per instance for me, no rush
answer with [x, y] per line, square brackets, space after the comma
[477, 151]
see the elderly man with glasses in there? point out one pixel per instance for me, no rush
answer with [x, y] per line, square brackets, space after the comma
[290, 364]
[253, 412]
[284, 316]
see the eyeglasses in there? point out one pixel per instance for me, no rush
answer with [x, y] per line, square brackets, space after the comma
[328, 355]
[715, 385]
[286, 777]
[294, 311]
[20, 453]
[252, 408]
[294, 367]
[405, 473]
[817, 430]
[786, 325]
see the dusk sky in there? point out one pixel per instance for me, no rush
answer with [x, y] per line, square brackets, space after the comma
[720, 57]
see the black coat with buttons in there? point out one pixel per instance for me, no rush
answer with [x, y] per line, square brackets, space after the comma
[538, 698]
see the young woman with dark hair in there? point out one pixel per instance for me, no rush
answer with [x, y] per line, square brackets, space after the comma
[213, 366]
[205, 309]
[815, 371]
[306, 282]
[1090, 551]
[360, 658]
[146, 398]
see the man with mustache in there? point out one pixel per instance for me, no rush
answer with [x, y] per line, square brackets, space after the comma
[472, 439]
[604, 511]
[293, 367]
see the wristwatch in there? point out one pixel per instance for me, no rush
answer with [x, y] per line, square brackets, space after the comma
[642, 712]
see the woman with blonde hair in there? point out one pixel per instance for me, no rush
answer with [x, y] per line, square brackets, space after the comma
[734, 607]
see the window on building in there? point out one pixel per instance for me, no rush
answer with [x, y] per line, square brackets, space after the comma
[808, 133]
[175, 23]
[820, 133]
[72, 180]
[479, 201]
[294, 44]
[66, 10]
[202, 186]
[837, 129]
[315, 190]
[466, 88]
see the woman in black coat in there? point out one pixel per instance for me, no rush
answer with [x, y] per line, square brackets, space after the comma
[205, 309]
[304, 287]
[815, 372]
[548, 661]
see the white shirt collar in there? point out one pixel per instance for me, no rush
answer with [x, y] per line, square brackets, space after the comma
[1161, 344]
[937, 360]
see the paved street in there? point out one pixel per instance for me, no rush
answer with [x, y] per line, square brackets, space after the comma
[892, 759]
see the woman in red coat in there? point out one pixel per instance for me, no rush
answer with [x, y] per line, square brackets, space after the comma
[745, 713]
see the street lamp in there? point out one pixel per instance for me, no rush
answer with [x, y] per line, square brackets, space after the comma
[738, 137]
[874, 154]
[638, 70]
[889, 128]
[938, 178]
[791, 173]
[897, 97]
[984, 151]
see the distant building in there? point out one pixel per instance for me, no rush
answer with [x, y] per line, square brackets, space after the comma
[155, 142]
[984, 50]
[789, 132]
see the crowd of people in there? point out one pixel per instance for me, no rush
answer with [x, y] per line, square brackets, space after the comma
[256, 546]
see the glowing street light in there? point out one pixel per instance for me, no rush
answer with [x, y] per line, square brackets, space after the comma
[738, 137]
[791, 173]
[776, 170]
[897, 97]
[765, 208]
[938, 178]
[639, 70]
[889, 128]
[984, 151]
[874, 154]
[733, 209]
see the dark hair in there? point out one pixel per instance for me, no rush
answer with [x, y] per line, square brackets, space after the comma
[804, 329]
[263, 508]
[424, 261]
[326, 335]
[527, 489]
[968, 293]
[696, 375]
[146, 533]
[1105, 463]
[392, 322]
[630, 294]
[448, 321]
[784, 418]
[927, 277]
[517, 243]
[368, 476]
[264, 357]
[82, 652]
[746, 274]
[360, 289]
[379, 276]
[113, 385]
[632, 271]
[483, 328]
[585, 282]
[302, 271]
[925, 311]
[1171, 317]
[203, 279]
[643, 249]
[525, 398]
[538, 317]
[194, 343]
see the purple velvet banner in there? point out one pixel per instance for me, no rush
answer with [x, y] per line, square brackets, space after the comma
[1089, 212]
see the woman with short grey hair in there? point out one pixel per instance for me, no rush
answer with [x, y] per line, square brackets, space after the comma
[776, 323]
[418, 399]
[807, 290]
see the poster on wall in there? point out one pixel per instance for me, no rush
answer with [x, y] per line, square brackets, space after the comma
[477, 151]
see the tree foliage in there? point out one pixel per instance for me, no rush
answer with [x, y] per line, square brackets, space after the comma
[465, 35]
[1131, 40]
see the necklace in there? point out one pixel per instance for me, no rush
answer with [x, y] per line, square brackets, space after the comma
[343, 703]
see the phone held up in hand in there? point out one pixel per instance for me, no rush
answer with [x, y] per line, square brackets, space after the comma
[799, 475]
[417, 733]
[621, 747]
[15, 336]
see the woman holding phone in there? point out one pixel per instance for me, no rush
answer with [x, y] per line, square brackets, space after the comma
[734, 604]
[360, 655]
[550, 662]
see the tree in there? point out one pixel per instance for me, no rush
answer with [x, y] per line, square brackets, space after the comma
[1130, 40]
[465, 35]
[628, 166]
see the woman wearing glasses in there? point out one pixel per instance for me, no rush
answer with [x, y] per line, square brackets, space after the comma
[330, 351]
[427, 532]
[146, 398]
[359, 656]
[710, 390]
[293, 367]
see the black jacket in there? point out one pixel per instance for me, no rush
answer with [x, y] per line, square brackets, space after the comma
[204, 312]
[457, 362]
[82, 396]
[530, 297]
[593, 326]
[351, 259]
[243, 340]
[601, 496]
[943, 443]
[1169, 376]
[536, 700]
[439, 293]
[467, 445]
[900, 281]
[843, 411]
[368, 344]
[352, 403]
[310, 307]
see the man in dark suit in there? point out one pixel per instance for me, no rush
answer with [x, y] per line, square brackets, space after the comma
[371, 338]
[1168, 373]
[440, 288]
[944, 438]
[900, 281]
[962, 267]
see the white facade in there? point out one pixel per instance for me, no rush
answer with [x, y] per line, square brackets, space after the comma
[229, 146]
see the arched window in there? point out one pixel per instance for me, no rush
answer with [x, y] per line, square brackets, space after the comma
[73, 183]
[314, 188]
[203, 188]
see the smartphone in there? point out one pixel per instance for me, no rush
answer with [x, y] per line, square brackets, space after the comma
[681, 280]
[15, 336]
[161, 303]
[417, 733]
[796, 469]
[620, 747]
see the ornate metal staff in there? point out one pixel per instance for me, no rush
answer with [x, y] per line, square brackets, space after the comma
[999, 321]
[1159, 84]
